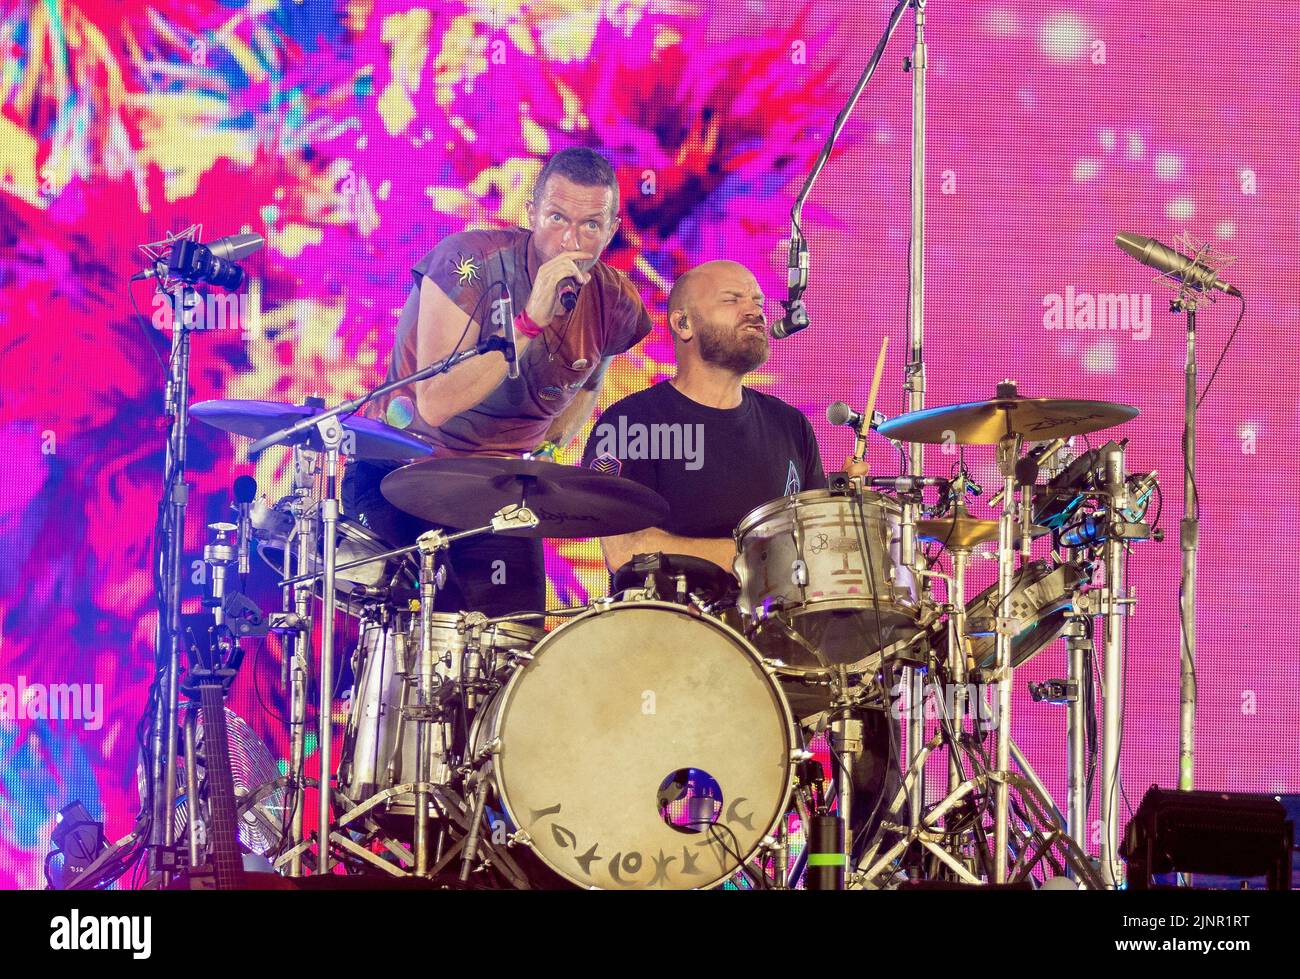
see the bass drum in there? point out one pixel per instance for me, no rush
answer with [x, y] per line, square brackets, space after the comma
[643, 747]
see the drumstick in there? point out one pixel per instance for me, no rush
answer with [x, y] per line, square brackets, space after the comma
[860, 450]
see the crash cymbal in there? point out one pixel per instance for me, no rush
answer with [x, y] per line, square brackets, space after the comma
[987, 422]
[258, 419]
[569, 501]
[963, 530]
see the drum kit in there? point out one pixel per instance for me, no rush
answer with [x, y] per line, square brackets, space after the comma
[660, 737]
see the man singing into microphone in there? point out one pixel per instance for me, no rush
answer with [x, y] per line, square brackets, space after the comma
[475, 409]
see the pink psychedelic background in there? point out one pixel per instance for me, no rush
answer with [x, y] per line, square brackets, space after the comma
[353, 136]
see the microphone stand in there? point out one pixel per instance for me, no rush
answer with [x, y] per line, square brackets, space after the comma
[795, 314]
[170, 560]
[1189, 542]
[914, 380]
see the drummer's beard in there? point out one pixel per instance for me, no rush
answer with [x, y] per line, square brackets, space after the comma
[732, 348]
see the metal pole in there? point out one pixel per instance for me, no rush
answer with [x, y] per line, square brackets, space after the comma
[1008, 451]
[163, 741]
[957, 657]
[329, 509]
[1189, 537]
[423, 704]
[1112, 675]
[298, 653]
[1077, 735]
[914, 377]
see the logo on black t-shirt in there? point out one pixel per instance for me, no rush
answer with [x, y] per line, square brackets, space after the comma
[792, 480]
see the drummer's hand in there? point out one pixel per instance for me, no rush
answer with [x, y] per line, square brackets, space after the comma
[855, 468]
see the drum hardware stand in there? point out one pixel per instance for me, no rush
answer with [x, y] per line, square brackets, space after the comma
[424, 712]
[297, 641]
[1005, 629]
[1078, 646]
[1041, 833]
[1116, 603]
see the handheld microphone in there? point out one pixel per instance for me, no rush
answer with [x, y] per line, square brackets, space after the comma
[568, 294]
[1164, 259]
[245, 491]
[508, 314]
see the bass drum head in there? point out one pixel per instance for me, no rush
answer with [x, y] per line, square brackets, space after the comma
[643, 747]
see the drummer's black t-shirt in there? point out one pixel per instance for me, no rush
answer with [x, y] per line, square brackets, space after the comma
[712, 465]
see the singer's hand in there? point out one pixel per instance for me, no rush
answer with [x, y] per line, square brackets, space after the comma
[544, 302]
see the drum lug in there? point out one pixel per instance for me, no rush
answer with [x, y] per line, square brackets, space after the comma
[519, 837]
[799, 574]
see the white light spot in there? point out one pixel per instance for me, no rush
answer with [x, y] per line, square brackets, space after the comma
[1100, 359]
[1063, 37]
[1107, 139]
[1085, 169]
[883, 135]
[1002, 23]
[1136, 146]
[1168, 166]
[1180, 209]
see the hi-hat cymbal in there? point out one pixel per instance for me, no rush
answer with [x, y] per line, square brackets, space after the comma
[568, 501]
[988, 422]
[258, 419]
[963, 530]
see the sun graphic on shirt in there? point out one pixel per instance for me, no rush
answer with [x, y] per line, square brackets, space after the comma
[466, 269]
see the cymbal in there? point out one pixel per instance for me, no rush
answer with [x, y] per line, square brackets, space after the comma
[963, 530]
[258, 419]
[987, 422]
[569, 501]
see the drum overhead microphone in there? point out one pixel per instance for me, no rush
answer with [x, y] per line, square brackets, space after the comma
[1192, 272]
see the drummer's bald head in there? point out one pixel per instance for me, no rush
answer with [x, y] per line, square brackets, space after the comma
[690, 286]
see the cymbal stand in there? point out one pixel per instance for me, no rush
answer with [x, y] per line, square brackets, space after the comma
[1115, 603]
[330, 431]
[1005, 628]
[424, 712]
[297, 598]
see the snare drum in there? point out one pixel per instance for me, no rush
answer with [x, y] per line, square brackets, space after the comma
[643, 746]
[825, 566]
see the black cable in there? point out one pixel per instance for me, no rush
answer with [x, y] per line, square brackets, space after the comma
[736, 854]
[144, 323]
[1218, 363]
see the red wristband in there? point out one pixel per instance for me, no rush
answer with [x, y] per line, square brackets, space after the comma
[525, 325]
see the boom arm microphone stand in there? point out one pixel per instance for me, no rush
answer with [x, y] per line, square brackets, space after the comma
[796, 317]
[180, 257]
